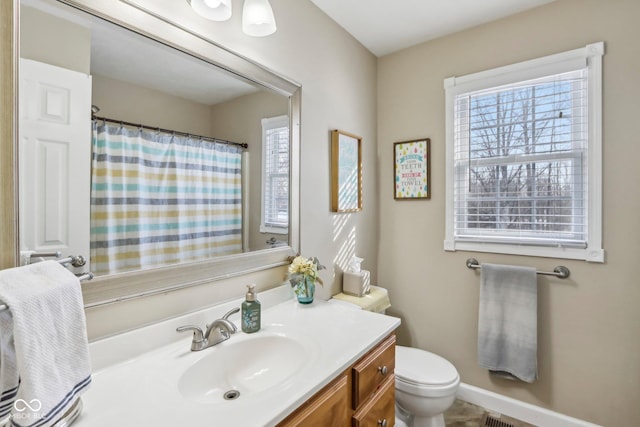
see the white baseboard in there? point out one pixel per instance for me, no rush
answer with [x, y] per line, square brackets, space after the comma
[517, 409]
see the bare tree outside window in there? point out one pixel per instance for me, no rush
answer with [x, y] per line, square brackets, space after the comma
[524, 162]
[275, 175]
[278, 176]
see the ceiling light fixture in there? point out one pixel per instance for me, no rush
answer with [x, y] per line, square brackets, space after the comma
[257, 18]
[257, 15]
[215, 10]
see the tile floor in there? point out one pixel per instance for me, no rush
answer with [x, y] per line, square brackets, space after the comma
[464, 414]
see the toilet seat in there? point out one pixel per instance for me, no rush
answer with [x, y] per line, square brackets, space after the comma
[423, 373]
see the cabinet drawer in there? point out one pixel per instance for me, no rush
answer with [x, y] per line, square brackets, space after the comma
[371, 371]
[380, 411]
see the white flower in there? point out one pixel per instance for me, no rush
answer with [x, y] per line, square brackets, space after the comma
[302, 267]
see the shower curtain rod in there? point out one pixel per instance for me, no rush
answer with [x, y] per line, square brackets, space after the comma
[157, 129]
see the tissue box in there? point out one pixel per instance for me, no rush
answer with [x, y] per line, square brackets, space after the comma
[356, 284]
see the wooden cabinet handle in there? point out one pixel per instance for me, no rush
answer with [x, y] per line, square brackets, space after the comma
[383, 370]
[382, 423]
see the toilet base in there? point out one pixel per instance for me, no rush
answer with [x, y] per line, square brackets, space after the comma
[436, 421]
[404, 419]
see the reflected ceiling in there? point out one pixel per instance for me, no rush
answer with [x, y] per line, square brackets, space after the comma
[124, 56]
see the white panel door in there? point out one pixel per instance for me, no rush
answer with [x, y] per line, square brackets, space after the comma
[54, 160]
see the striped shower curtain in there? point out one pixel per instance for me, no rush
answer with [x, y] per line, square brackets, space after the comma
[160, 199]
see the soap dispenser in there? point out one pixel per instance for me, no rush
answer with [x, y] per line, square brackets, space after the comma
[251, 311]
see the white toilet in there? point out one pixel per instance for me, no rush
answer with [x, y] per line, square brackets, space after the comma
[426, 386]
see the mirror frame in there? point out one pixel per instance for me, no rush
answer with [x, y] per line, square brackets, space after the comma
[133, 16]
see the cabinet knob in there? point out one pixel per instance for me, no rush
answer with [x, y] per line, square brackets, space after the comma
[383, 370]
[382, 423]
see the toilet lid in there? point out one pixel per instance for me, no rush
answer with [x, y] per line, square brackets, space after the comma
[417, 366]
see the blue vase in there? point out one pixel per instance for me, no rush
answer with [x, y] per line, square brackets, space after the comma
[304, 290]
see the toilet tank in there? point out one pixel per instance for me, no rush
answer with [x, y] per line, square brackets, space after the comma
[377, 300]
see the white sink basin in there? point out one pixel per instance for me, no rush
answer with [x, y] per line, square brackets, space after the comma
[156, 380]
[243, 366]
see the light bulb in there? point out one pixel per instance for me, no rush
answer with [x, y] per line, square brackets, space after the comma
[215, 10]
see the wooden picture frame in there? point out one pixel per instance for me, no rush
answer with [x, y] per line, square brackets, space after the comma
[346, 172]
[412, 169]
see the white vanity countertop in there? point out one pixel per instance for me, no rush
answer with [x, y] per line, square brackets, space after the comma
[136, 374]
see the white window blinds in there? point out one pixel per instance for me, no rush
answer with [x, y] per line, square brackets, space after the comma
[524, 158]
[520, 152]
[275, 175]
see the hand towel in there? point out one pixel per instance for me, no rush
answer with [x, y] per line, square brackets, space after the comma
[507, 321]
[44, 354]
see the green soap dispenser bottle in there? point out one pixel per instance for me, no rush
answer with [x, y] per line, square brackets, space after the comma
[251, 312]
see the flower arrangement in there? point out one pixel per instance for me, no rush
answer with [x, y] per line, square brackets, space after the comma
[302, 268]
[303, 274]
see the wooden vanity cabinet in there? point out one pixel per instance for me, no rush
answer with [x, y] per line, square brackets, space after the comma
[362, 396]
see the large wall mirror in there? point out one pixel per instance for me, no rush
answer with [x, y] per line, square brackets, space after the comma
[163, 158]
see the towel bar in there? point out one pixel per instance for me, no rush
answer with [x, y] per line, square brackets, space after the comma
[71, 259]
[29, 256]
[56, 254]
[560, 271]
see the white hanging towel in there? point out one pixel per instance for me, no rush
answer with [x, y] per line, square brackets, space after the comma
[44, 354]
[508, 321]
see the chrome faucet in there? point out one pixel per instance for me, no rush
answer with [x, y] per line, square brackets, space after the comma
[219, 330]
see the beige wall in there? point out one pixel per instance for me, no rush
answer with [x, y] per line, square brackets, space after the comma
[589, 325]
[240, 120]
[125, 101]
[54, 41]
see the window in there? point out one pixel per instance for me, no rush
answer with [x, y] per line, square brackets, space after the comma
[524, 158]
[275, 175]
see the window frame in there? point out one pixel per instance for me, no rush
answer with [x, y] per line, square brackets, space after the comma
[267, 124]
[590, 57]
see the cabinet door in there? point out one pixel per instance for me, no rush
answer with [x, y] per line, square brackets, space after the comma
[379, 411]
[327, 408]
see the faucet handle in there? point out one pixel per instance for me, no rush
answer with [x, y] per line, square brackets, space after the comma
[198, 335]
[230, 312]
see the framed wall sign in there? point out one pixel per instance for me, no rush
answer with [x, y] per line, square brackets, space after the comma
[412, 165]
[346, 172]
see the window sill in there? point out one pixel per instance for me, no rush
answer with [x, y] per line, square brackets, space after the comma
[273, 230]
[588, 254]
